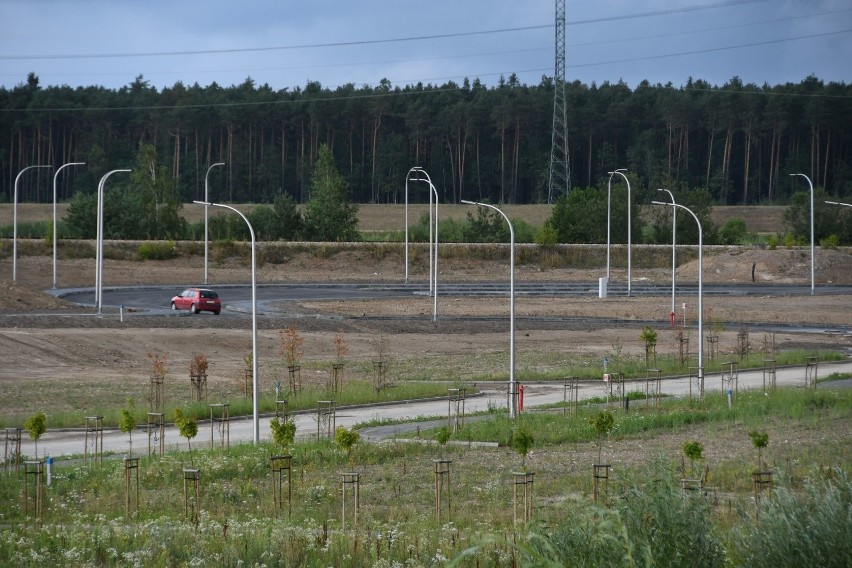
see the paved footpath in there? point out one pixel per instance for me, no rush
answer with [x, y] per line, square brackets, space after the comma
[72, 442]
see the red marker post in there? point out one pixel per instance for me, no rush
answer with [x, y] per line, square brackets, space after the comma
[520, 398]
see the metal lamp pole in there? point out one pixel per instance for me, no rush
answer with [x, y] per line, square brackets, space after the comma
[620, 172]
[433, 236]
[99, 242]
[700, 291]
[15, 222]
[512, 401]
[434, 274]
[207, 200]
[407, 177]
[609, 215]
[811, 185]
[254, 365]
[55, 234]
[674, 245]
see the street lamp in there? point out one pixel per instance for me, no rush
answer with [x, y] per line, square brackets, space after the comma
[700, 291]
[207, 200]
[620, 172]
[99, 241]
[407, 178]
[254, 366]
[433, 236]
[55, 176]
[434, 276]
[608, 215]
[512, 399]
[674, 244]
[812, 228]
[15, 222]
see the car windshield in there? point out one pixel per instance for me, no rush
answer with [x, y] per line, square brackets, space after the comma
[209, 294]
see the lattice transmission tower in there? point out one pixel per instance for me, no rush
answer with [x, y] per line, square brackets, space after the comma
[560, 172]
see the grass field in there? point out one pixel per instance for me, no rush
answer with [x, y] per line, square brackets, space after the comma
[642, 516]
[759, 219]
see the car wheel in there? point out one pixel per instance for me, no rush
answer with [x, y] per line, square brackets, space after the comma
[194, 309]
[216, 313]
[174, 307]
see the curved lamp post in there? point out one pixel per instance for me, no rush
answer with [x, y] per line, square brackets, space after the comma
[99, 241]
[55, 176]
[620, 172]
[206, 201]
[407, 178]
[254, 366]
[434, 276]
[15, 222]
[674, 245]
[700, 291]
[512, 400]
[811, 185]
[433, 236]
[609, 216]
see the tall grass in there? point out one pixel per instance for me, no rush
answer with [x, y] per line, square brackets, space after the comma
[809, 527]
[645, 521]
[751, 408]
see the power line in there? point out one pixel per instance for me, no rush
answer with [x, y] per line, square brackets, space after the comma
[710, 49]
[275, 48]
[726, 3]
[663, 12]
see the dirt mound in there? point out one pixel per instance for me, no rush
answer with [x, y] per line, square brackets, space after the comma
[779, 266]
[14, 297]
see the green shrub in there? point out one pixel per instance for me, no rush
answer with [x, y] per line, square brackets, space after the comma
[157, 250]
[791, 240]
[546, 236]
[830, 242]
[733, 232]
[772, 242]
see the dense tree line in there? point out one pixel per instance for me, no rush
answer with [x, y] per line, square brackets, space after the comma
[737, 141]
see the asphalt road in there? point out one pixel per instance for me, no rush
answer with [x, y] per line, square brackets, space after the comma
[236, 298]
[59, 444]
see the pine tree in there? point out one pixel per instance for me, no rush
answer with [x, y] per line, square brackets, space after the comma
[329, 215]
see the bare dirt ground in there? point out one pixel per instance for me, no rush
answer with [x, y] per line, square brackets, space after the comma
[71, 357]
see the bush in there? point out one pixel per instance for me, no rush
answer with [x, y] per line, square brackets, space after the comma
[157, 250]
[733, 232]
[547, 236]
[772, 242]
[791, 240]
[830, 242]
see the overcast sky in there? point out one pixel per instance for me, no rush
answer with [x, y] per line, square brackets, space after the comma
[286, 43]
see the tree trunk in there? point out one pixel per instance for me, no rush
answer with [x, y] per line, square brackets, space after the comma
[452, 164]
[747, 163]
[825, 167]
[502, 164]
[374, 186]
[517, 160]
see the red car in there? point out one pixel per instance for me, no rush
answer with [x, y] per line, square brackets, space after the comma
[196, 300]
